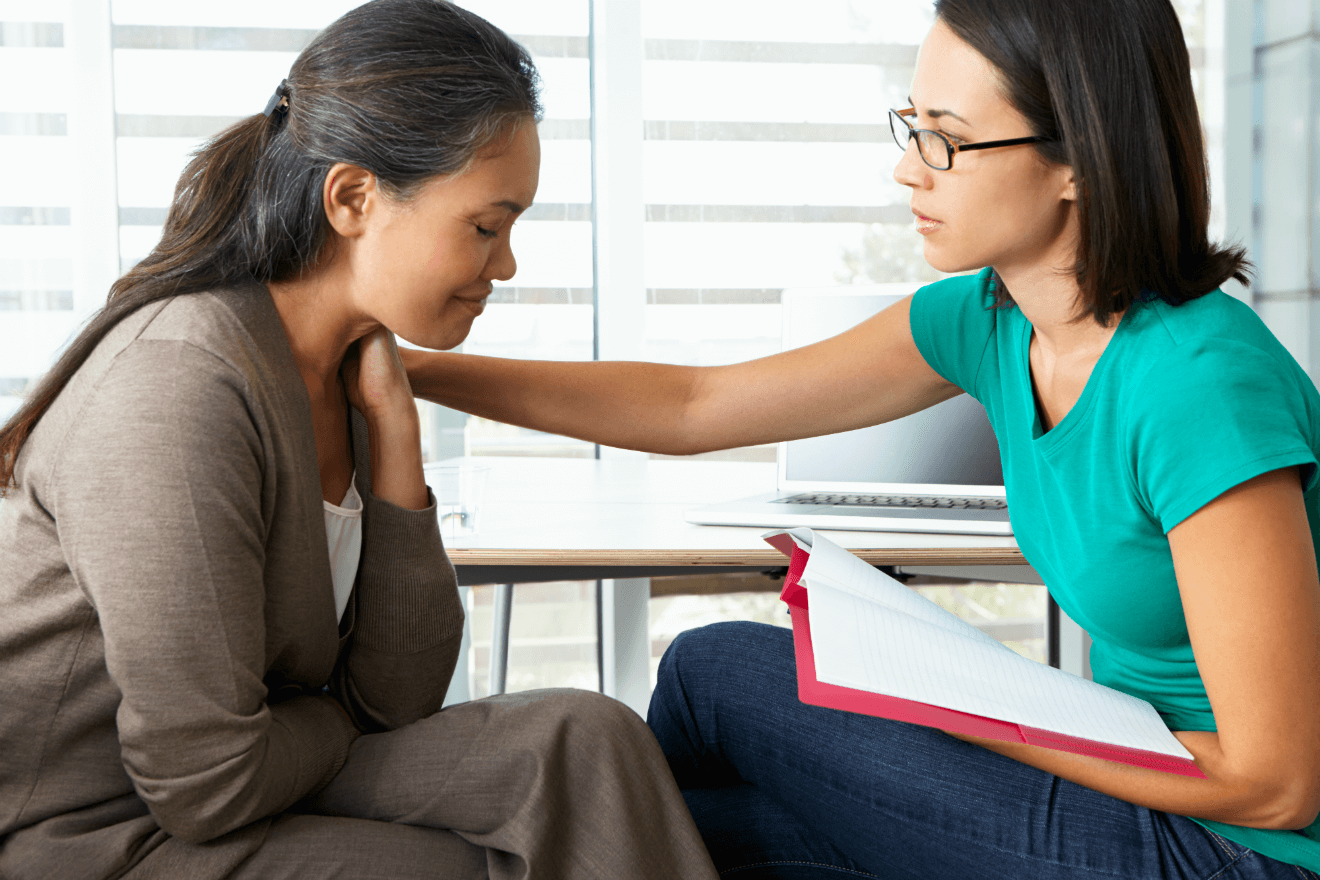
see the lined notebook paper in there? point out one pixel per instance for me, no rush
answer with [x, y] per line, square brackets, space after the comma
[874, 635]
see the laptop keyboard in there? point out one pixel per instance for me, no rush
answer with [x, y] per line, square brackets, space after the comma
[937, 501]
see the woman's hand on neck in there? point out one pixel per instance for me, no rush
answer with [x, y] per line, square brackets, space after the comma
[327, 337]
[377, 385]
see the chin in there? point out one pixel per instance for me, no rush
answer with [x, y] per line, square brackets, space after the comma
[438, 339]
[949, 263]
[455, 332]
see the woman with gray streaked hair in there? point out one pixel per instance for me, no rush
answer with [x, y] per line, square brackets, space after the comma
[227, 622]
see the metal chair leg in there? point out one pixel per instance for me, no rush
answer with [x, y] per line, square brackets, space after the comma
[499, 638]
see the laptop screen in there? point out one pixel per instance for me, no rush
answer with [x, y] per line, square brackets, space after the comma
[948, 444]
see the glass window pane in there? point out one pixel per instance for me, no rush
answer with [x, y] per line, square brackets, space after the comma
[552, 637]
[38, 226]
[767, 164]
[545, 312]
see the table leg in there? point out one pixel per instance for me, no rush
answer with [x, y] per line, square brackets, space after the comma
[460, 686]
[1074, 646]
[499, 638]
[626, 641]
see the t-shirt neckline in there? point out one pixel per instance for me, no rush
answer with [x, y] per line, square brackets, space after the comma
[1067, 426]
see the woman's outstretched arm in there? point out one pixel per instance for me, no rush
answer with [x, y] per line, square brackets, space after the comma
[873, 373]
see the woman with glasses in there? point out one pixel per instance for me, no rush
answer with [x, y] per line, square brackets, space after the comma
[1160, 454]
[227, 622]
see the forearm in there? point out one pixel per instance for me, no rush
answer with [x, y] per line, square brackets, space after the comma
[408, 620]
[868, 375]
[396, 458]
[627, 405]
[1230, 793]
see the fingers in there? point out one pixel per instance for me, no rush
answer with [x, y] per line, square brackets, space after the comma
[374, 376]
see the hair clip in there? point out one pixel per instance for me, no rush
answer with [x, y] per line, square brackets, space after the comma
[279, 102]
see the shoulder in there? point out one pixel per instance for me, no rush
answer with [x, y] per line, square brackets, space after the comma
[963, 305]
[1215, 344]
[232, 336]
[201, 360]
[1215, 315]
[969, 291]
[954, 322]
[238, 326]
[1211, 398]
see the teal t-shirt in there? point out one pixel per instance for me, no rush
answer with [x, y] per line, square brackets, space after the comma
[1185, 403]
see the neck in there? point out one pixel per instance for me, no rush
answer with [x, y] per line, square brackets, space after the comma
[320, 324]
[1049, 299]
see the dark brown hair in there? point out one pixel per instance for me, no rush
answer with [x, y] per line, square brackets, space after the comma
[406, 89]
[1110, 82]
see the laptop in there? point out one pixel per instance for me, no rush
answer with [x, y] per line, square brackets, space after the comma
[937, 470]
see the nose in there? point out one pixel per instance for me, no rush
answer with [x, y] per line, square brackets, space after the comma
[501, 266]
[911, 170]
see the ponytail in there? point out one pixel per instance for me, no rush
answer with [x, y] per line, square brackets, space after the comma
[406, 89]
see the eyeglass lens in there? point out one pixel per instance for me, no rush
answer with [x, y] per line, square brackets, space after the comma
[933, 149]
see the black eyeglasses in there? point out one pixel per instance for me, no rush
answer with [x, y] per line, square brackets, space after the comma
[935, 149]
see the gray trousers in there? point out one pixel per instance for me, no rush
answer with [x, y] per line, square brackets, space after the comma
[546, 784]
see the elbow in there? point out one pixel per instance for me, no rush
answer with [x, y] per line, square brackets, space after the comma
[189, 832]
[1287, 818]
[1285, 805]
[1297, 809]
[190, 823]
[199, 807]
[684, 446]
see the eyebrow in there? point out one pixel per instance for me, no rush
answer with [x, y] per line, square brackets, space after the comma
[512, 206]
[936, 114]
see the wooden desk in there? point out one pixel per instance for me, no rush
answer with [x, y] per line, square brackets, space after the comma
[619, 520]
[624, 516]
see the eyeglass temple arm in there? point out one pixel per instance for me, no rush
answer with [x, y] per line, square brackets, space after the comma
[985, 145]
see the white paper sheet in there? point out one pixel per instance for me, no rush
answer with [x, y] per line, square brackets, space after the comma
[872, 633]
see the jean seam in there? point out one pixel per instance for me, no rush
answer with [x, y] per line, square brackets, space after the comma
[852, 871]
[1231, 864]
[1223, 844]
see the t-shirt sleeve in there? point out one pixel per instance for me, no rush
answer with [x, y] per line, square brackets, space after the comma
[1211, 415]
[953, 322]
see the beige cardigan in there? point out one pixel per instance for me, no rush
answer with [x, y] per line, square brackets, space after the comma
[167, 621]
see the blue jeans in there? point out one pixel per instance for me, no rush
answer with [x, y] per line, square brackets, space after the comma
[786, 790]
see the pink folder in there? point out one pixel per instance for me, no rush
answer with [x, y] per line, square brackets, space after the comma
[830, 696]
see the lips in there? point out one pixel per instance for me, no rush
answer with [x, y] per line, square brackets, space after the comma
[476, 303]
[926, 225]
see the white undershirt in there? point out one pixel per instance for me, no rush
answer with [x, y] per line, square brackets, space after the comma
[343, 532]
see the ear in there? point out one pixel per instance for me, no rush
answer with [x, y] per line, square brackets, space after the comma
[1069, 181]
[349, 196]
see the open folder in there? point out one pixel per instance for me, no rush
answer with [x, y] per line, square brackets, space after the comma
[885, 650]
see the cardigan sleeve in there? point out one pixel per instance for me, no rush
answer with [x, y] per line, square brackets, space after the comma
[408, 621]
[157, 498]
